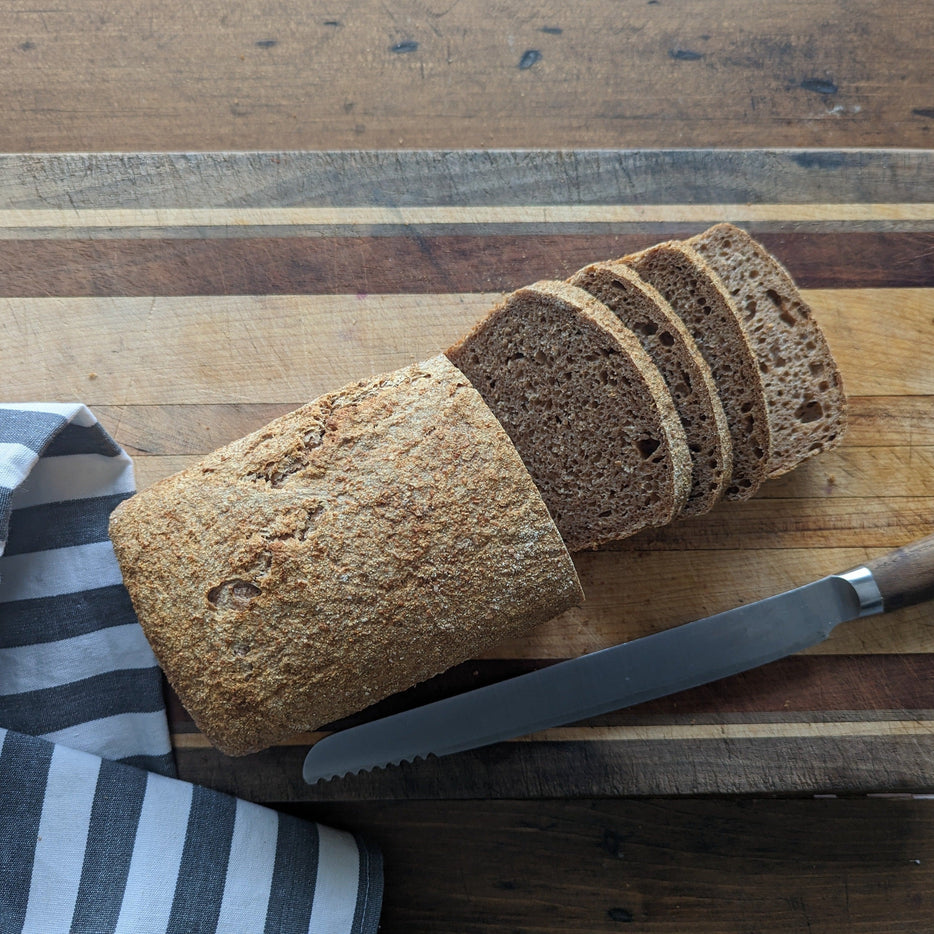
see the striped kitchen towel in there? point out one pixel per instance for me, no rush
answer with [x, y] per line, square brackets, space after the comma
[96, 833]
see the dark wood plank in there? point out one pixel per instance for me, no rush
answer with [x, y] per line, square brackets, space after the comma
[660, 866]
[872, 761]
[188, 77]
[485, 262]
[824, 724]
[829, 684]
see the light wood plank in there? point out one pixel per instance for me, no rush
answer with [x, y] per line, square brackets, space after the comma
[635, 594]
[668, 732]
[220, 349]
[208, 349]
[483, 219]
[892, 422]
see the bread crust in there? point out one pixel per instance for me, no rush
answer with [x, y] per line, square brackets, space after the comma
[346, 551]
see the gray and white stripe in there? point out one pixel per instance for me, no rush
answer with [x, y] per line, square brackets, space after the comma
[141, 853]
[89, 680]
[89, 841]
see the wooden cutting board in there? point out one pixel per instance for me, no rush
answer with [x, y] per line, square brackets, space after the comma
[188, 299]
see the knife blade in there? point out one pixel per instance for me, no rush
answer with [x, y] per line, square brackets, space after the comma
[633, 672]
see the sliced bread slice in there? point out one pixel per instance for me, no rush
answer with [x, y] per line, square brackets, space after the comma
[666, 340]
[698, 297]
[802, 382]
[586, 408]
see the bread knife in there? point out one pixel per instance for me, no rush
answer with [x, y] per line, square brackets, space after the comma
[640, 670]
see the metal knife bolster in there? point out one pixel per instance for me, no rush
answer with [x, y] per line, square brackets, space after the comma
[867, 590]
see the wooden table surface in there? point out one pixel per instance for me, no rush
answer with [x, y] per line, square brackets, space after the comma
[304, 196]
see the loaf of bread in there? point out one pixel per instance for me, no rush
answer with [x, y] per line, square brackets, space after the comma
[698, 297]
[665, 339]
[587, 409]
[346, 551]
[803, 387]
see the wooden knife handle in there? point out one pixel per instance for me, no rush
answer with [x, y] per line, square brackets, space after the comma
[905, 576]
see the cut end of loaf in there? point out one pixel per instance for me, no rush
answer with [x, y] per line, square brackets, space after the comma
[586, 408]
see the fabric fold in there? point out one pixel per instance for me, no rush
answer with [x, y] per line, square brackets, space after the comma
[97, 834]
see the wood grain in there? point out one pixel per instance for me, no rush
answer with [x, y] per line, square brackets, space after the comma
[255, 348]
[905, 575]
[286, 75]
[191, 298]
[659, 866]
[410, 262]
[194, 77]
[115, 187]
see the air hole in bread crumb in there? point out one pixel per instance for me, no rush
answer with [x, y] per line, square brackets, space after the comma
[647, 447]
[233, 593]
[647, 327]
[314, 437]
[666, 339]
[783, 311]
[810, 411]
